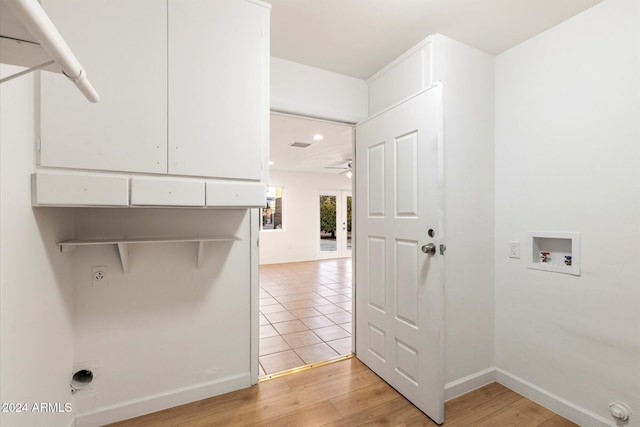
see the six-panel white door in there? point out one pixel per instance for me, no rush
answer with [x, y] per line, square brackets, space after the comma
[399, 288]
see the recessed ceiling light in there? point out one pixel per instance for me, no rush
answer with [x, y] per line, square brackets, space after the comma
[318, 137]
[270, 162]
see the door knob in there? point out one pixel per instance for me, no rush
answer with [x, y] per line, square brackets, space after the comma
[429, 248]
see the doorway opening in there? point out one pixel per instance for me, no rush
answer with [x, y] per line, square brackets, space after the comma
[305, 273]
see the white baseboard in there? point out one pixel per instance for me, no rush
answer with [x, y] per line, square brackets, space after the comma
[560, 406]
[157, 402]
[469, 383]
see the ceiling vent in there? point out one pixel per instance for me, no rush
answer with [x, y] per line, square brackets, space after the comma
[299, 144]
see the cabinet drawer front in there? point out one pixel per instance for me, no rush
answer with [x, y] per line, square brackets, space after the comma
[79, 190]
[238, 194]
[166, 192]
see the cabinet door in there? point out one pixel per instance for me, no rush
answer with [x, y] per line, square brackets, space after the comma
[122, 45]
[218, 88]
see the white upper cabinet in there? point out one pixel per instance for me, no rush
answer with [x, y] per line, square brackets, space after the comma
[218, 88]
[123, 46]
[184, 88]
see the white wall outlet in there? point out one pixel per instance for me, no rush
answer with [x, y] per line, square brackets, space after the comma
[99, 275]
[514, 249]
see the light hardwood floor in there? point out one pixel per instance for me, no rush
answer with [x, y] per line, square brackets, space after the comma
[347, 394]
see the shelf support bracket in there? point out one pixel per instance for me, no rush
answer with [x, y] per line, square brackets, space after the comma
[123, 251]
[200, 253]
[67, 248]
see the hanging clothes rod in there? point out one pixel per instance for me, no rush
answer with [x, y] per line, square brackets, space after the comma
[34, 18]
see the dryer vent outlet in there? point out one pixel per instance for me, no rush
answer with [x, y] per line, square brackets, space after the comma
[81, 379]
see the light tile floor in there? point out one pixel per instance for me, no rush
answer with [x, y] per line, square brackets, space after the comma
[305, 313]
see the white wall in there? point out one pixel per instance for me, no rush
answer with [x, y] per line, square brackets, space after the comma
[166, 332]
[309, 91]
[467, 75]
[299, 239]
[36, 288]
[568, 159]
[410, 73]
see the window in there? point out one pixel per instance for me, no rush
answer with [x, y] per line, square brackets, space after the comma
[272, 213]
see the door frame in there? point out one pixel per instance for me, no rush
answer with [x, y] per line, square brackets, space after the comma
[254, 320]
[254, 339]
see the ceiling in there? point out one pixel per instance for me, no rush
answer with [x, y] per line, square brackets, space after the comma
[334, 151]
[359, 37]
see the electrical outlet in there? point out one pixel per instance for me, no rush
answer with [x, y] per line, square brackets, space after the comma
[99, 275]
[514, 249]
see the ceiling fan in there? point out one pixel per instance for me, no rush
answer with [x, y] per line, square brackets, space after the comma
[346, 168]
